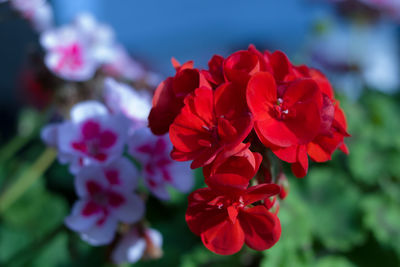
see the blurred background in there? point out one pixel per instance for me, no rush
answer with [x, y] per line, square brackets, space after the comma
[344, 213]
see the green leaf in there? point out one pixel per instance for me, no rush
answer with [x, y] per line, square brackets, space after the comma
[333, 261]
[295, 245]
[335, 215]
[30, 218]
[382, 217]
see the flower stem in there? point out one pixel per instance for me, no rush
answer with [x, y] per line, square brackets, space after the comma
[12, 147]
[27, 178]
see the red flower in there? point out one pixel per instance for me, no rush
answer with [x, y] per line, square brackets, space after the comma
[286, 115]
[239, 66]
[240, 161]
[215, 74]
[281, 67]
[169, 95]
[323, 146]
[221, 215]
[210, 122]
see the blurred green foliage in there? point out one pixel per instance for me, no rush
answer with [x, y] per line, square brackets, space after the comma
[344, 213]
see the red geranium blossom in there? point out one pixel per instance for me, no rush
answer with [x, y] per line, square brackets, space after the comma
[222, 217]
[169, 96]
[240, 161]
[284, 115]
[209, 122]
[215, 74]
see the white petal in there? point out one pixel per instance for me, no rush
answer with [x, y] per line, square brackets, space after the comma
[132, 210]
[76, 221]
[85, 22]
[43, 18]
[119, 124]
[159, 189]
[87, 109]
[182, 176]
[68, 132]
[122, 98]
[136, 250]
[129, 249]
[26, 5]
[49, 134]
[101, 235]
[123, 66]
[48, 39]
[156, 237]
[141, 137]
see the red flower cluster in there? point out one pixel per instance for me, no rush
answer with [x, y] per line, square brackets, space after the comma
[225, 119]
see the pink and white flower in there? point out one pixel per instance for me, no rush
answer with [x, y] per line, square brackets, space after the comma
[137, 244]
[122, 98]
[93, 136]
[100, 38]
[67, 54]
[74, 52]
[38, 12]
[105, 198]
[49, 135]
[158, 169]
[122, 66]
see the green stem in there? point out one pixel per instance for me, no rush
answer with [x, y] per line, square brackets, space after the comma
[12, 147]
[27, 178]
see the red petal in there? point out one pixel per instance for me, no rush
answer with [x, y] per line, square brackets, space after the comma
[288, 154]
[227, 183]
[317, 153]
[239, 160]
[327, 114]
[229, 100]
[240, 65]
[185, 82]
[280, 65]
[204, 157]
[339, 121]
[344, 148]
[275, 132]
[191, 125]
[215, 66]
[261, 94]
[305, 90]
[166, 107]
[224, 238]
[232, 213]
[306, 125]
[260, 192]
[198, 210]
[300, 167]
[323, 83]
[175, 63]
[262, 228]
[226, 131]
[264, 66]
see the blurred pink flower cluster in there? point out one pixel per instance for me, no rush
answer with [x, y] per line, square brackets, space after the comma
[100, 143]
[99, 129]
